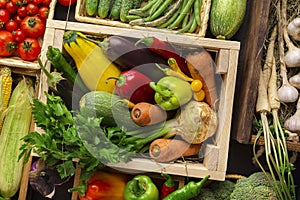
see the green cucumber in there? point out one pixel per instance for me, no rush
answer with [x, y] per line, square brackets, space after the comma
[115, 10]
[91, 7]
[104, 8]
[126, 6]
[226, 17]
[112, 108]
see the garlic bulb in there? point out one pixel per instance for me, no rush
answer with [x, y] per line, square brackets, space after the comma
[292, 57]
[295, 81]
[287, 93]
[293, 123]
[293, 29]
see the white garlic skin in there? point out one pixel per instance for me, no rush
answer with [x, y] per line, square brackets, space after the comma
[295, 81]
[293, 29]
[292, 58]
[293, 123]
[287, 94]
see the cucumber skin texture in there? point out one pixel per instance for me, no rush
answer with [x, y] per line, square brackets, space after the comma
[110, 107]
[91, 7]
[126, 6]
[226, 17]
[115, 10]
[104, 8]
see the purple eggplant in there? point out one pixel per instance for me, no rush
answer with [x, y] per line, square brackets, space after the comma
[127, 55]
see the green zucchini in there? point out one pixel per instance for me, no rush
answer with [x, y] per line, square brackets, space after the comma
[126, 6]
[226, 17]
[112, 108]
[91, 7]
[104, 8]
[16, 125]
[115, 10]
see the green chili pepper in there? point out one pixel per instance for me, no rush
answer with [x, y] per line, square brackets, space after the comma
[59, 62]
[141, 187]
[188, 191]
[171, 92]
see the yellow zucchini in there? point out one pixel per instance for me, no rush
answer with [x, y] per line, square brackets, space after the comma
[16, 125]
[92, 64]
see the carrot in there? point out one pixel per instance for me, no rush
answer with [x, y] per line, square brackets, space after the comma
[167, 150]
[201, 67]
[144, 114]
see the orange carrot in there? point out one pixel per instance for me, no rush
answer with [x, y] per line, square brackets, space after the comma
[201, 66]
[167, 150]
[144, 114]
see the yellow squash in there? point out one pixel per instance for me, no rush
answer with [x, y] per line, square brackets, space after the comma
[92, 64]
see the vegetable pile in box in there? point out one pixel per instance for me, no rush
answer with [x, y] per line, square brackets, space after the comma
[131, 98]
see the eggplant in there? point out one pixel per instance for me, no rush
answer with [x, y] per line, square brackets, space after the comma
[127, 55]
[43, 178]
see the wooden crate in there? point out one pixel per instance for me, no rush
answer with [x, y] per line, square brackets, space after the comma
[227, 52]
[81, 16]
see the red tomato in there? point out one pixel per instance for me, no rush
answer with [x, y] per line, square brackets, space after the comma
[46, 2]
[22, 11]
[11, 7]
[19, 2]
[43, 12]
[33, 26]
[4, 17]
[32, 9]
[18, 19]
[37, 2]
[2, 3]
[66, 2]
[29, 49]
[11, 25]
[19, 35]
[7, 44]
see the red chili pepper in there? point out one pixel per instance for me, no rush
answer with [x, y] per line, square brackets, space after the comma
[165, 49]
[168, 186]
[134, 86]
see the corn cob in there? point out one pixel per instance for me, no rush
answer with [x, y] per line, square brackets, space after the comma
[5, 91]
[16, 125]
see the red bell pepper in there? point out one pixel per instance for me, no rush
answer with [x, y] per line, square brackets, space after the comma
[134, 86]
[165, 49]
[105, 186]
[168, 186]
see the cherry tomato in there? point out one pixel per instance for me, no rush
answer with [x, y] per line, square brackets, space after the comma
[33, 26]
[3, 3]
[4, 17]
[19, 35]
[11, 7]
[19, 2]
[46, 2]
[11, 25]
[7, 44]
[22, 11]
[18, 19]
[32, 9]
[37, 2]
[66, 2]
[29, 49]
[43, 12]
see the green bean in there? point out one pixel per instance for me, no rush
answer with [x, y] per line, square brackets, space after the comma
[174, 17]
[139, 12]
[156, 6]
[133, 17]
[146, 7]
[184, 12]
[137, 22]
[165, 17]
[197, 8]
[194, 25]
[188, 26]
[160, 10]
[185, 20]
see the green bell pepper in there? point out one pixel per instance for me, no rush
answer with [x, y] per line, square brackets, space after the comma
[141, 187]
[171, 92]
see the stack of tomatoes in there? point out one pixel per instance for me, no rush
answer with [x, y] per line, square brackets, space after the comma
[22, 23]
